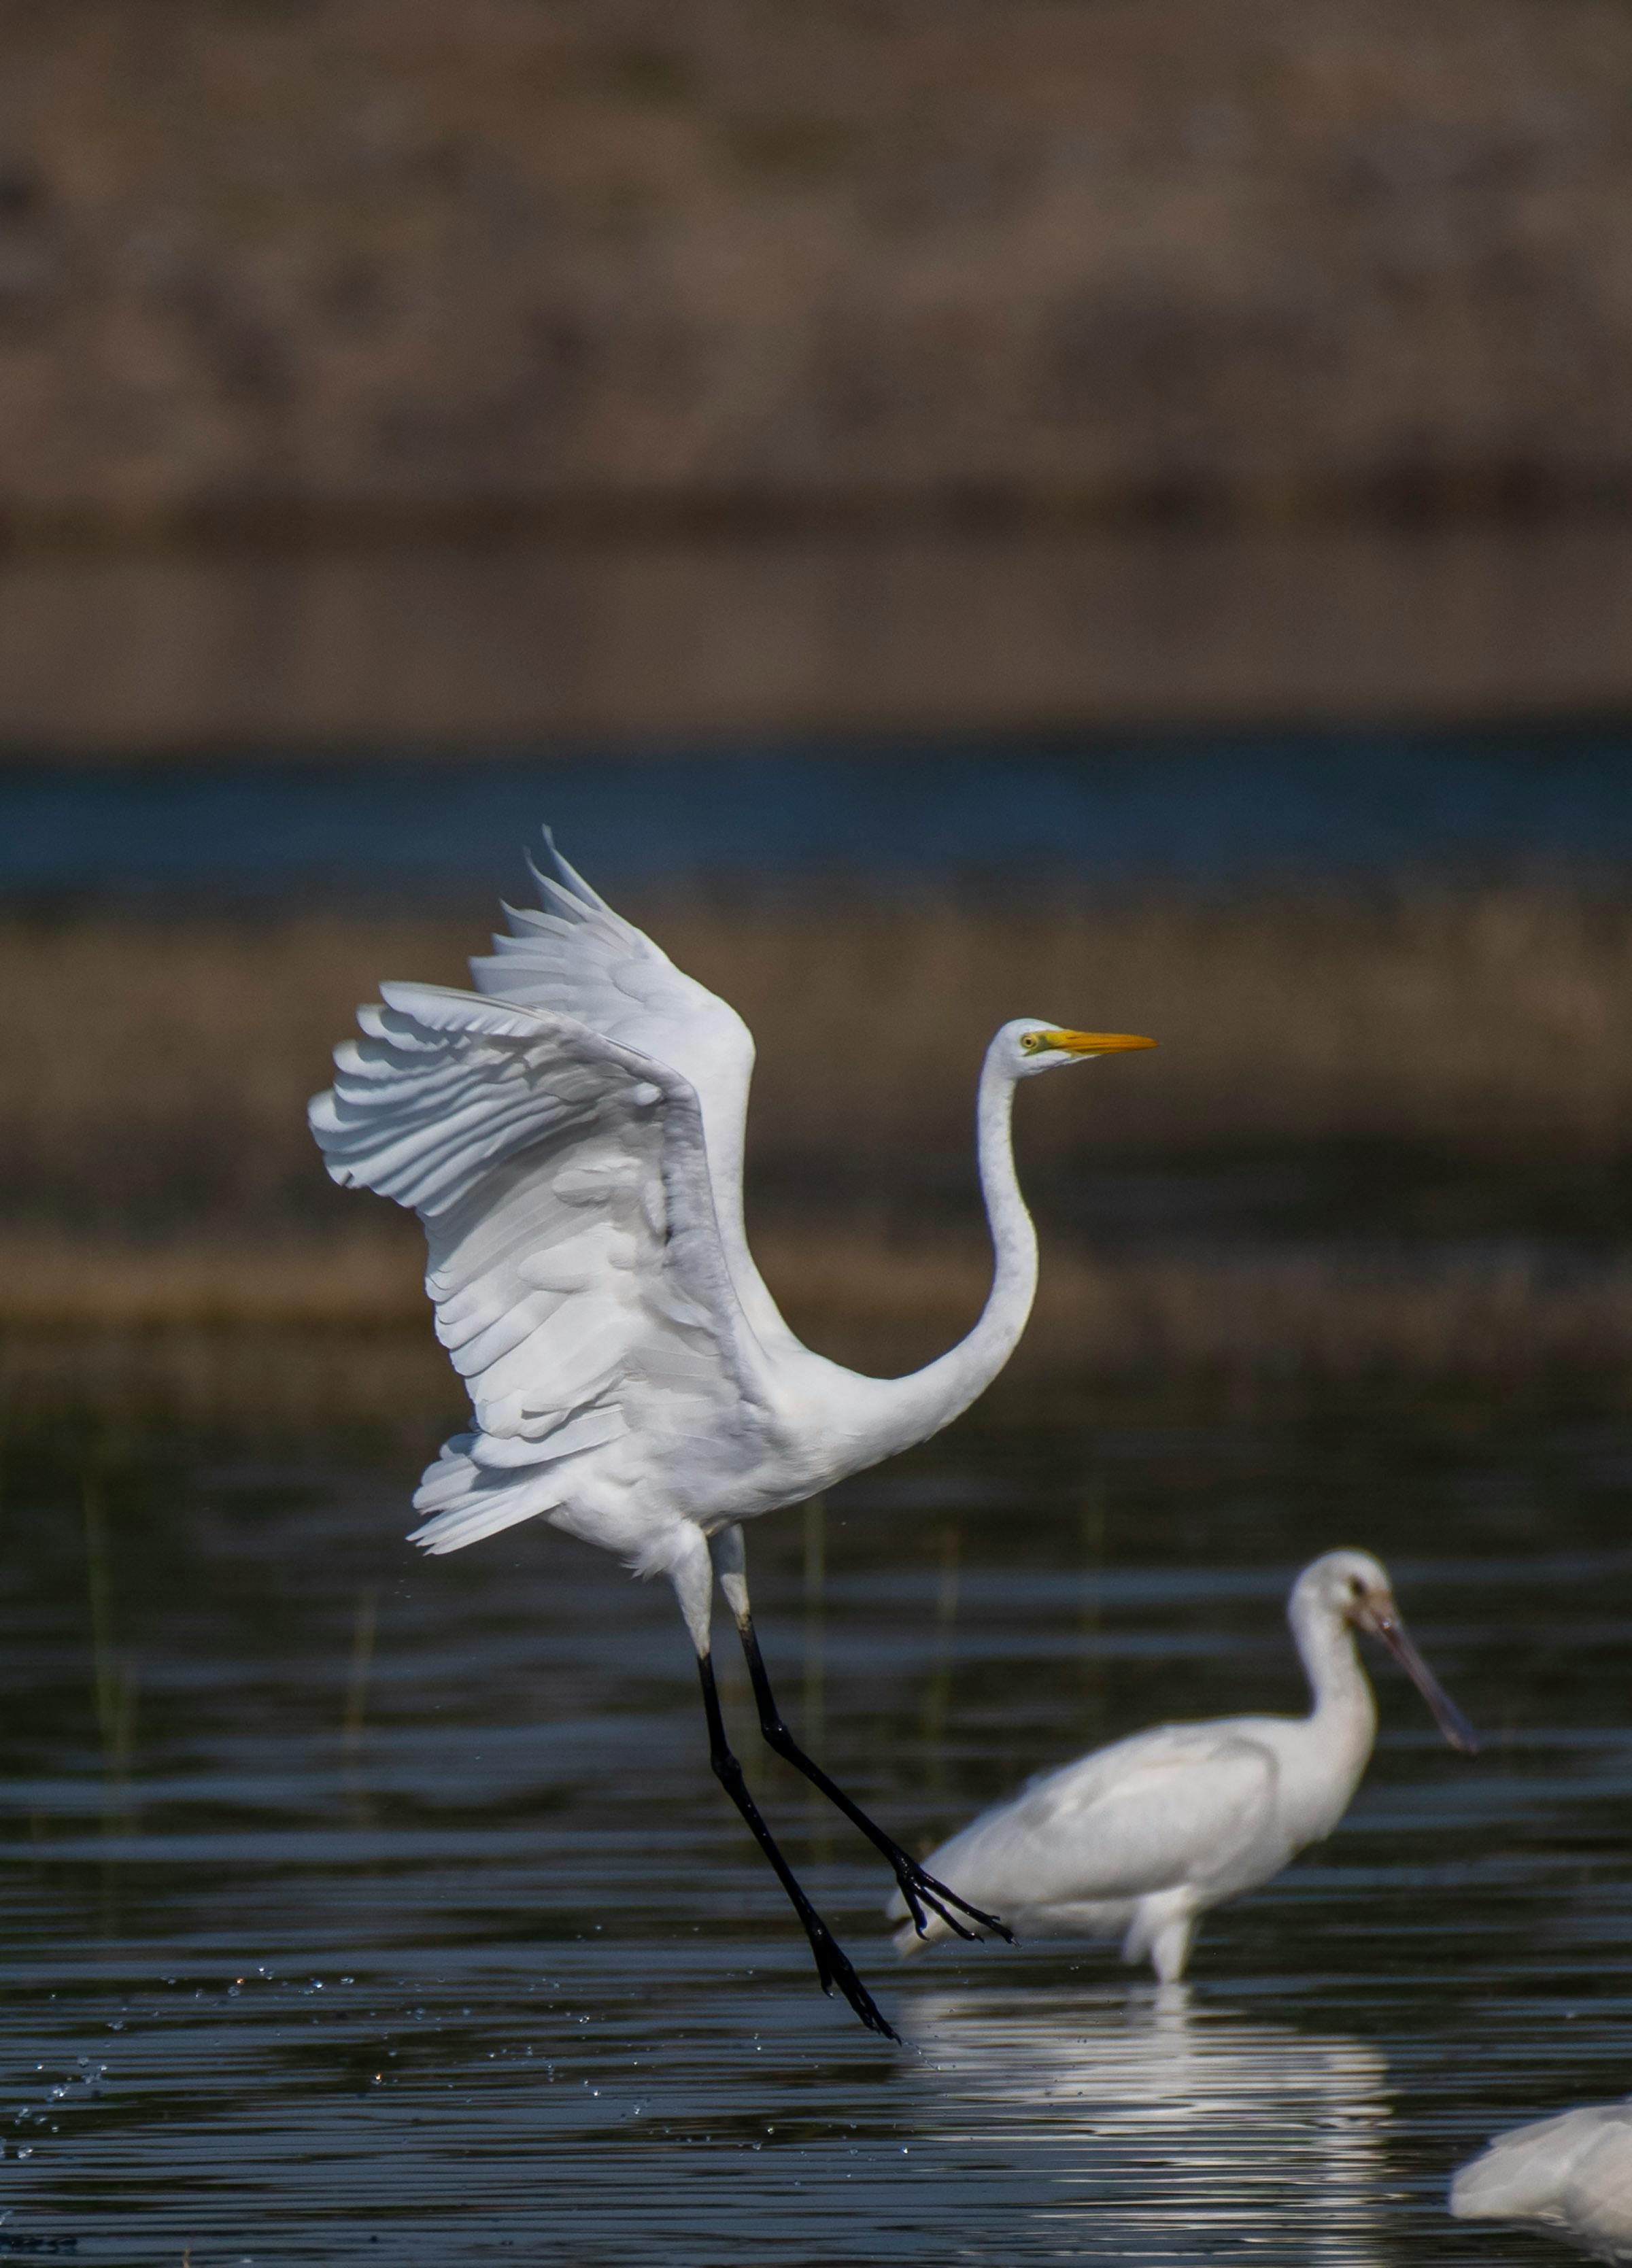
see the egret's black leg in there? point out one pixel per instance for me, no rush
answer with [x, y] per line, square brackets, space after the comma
[919, 1888]
[831, 1962]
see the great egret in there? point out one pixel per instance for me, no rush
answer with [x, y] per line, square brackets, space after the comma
[1571, 2174]
[1141, 1838]
[571, 1134]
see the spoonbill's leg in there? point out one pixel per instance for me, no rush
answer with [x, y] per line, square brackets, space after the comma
[692, 1580]
[1170, 1956]
[919, 1888]
[1162, 1928]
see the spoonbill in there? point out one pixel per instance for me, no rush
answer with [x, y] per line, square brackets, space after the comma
[571, 1134]
[1140, 1840]
[1571, 2175]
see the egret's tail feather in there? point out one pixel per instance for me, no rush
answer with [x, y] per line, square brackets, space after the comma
[467, 1501]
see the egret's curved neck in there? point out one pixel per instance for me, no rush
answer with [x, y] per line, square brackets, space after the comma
[931, 1397]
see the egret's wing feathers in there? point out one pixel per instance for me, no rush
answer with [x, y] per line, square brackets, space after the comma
[574, 1257]
[1167, 1807]
[573, 954]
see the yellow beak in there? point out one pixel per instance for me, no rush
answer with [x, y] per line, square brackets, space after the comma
[1096, 1044]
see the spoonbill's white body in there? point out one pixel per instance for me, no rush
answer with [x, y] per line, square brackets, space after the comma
[1571, 2175]
[1139, 1840]
[571, 1133]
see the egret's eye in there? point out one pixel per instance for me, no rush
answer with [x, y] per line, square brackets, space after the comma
[1356, 1589]
[1032, 1041]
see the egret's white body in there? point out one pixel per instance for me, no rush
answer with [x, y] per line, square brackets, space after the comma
[1140, 1840]
[571, 1133]
[1571, 2175]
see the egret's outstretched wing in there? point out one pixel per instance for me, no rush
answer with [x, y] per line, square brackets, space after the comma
[574, 955]
[575, 1262]
[1176, 1805]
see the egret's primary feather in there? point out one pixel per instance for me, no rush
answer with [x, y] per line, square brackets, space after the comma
[574, 1258]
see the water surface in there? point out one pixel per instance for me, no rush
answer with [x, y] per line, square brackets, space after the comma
[362, 1908]
[1208, 811]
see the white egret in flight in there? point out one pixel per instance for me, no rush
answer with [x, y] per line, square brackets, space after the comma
[571, 1134]
[1140, 1840]
[1571, 2175]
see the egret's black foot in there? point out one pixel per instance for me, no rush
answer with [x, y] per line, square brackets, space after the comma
[834, 1967]
[921, 1891]
[832, 1962]
[920, 1888]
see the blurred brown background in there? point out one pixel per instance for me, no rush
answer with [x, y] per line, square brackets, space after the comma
[271, 263]
[1347, 286]
[400, 379]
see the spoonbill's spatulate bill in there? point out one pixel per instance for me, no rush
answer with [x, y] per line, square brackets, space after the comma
[1571, 2175]
[571, 1134]
[1140, 1840]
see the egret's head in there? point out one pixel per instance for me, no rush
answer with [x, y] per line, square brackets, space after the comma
[1352, 1588]
[1031, 1044]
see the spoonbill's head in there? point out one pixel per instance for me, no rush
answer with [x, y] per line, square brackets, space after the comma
[1352, 1589]
[1032, 1043]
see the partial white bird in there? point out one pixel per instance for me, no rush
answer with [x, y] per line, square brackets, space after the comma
[571, 1134]
[1571, 2175]
[1140, 1840]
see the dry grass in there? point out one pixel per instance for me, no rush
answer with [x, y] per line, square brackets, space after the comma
[152, 1078]
[362, 1282]
[340, 1335]
[1295, 1315]
[92, 1390]
[155, 1170]
[1474, 1021]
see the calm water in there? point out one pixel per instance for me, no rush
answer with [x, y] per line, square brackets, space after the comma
[1205, 810]
[365, 1909]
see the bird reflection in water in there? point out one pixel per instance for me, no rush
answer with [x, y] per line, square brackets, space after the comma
[1176, 2126]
